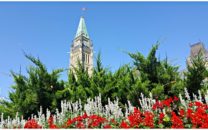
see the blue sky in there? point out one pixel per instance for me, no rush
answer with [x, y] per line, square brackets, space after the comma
[46, 30]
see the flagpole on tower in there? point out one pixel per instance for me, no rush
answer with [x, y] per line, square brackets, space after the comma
[83, 11]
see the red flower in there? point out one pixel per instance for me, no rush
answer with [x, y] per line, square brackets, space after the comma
[32, 124]
[189, 112]
[84, 116]
[50, 122]
[135, 118]
[53, 126]
[176, 121]
[198, 104]
[157, 105]
[95, 121]
[205, 124]
[80, 125]
[124, 125]
[69, 122]
[175, 98]
[162, 115]
[167, 102]
[78, 118]
[190, 104]
[181, 112]
[149, 119]
[107, 126]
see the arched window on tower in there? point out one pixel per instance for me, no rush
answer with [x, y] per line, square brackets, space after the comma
[85, 58]
[88, 58]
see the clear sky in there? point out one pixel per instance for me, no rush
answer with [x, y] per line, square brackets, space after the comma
[46, 30]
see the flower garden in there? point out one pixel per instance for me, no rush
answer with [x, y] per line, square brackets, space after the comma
[174, 112]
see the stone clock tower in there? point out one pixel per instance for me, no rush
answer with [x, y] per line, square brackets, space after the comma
[82, 48]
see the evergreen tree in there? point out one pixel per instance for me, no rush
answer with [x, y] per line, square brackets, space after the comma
[196, 74]
[79, 84]
[101, 80]
[37, 89]
[161, 75]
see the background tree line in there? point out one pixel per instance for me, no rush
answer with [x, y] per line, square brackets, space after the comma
[147, 74]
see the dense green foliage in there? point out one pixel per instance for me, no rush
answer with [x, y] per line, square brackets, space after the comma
[196, 75]
[37, 89]
[161, 75]
[147, 74]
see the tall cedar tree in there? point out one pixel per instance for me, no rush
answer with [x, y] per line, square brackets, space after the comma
[161, 75]
[196, 73]
[37, 89]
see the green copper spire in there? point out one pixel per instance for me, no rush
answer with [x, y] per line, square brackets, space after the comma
[82, 29]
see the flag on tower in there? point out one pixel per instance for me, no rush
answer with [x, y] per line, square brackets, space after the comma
[84, 9]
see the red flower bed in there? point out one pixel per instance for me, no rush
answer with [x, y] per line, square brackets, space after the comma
[195, 116]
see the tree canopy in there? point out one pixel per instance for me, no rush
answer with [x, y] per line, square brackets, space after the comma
[147, 74]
